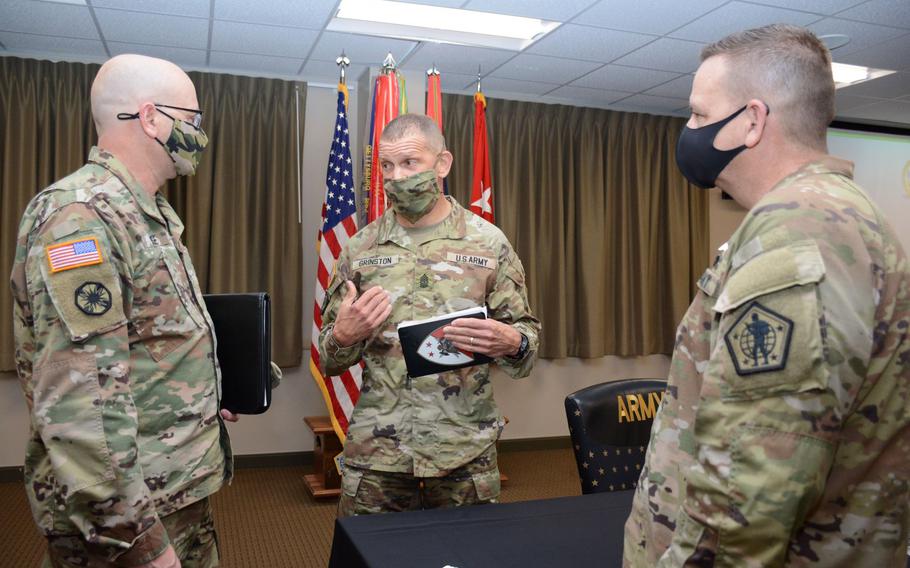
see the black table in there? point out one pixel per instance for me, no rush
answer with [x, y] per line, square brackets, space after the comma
[570, 531]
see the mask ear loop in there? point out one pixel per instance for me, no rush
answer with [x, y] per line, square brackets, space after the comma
[135, 115]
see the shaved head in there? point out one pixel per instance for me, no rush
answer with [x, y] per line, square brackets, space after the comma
[407, 125]
[126, 81]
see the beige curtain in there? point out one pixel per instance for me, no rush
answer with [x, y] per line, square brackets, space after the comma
[240, 210]
[611, 235]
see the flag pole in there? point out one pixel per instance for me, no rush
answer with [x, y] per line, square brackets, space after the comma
[478, 78]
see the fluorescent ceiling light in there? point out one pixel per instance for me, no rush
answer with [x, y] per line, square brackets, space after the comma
[846, 75]
[433, 23]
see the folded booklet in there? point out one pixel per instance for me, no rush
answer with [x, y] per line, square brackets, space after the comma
[427, 351]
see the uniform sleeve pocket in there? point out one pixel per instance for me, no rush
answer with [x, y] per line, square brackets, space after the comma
[68, 414]
[350, 481]
[487, 485]
[771, 326]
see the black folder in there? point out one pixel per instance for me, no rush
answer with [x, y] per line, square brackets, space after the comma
[426, 351]
[243, 332]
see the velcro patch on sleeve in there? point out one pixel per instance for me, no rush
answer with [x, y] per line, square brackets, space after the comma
[73, 254]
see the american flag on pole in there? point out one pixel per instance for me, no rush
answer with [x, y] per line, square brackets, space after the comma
[339, 223]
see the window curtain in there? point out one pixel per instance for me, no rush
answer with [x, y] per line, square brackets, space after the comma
[612, 237]
[240, 210]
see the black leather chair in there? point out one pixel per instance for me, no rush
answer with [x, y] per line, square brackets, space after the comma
[610, 425]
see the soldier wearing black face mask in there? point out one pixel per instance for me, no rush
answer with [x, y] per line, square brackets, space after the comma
[782, 438]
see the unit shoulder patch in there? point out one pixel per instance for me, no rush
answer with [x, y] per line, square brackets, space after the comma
[759, 341]
[93, 298]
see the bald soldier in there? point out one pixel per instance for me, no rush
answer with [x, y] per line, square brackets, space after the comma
[423, 442]
[114, 348]
[783, 436]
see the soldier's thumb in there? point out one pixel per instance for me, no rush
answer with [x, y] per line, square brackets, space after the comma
[351, 294]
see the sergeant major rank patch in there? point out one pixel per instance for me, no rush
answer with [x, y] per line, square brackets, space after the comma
[759, 341]
[93, 298]
[73, 254]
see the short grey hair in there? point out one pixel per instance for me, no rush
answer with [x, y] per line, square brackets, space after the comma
[420, 124]
[790, 69]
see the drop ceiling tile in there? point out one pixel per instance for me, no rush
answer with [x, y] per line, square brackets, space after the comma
[885, 12]
[588, 43]
[458, 83]
[251, 64]
[666, 54]
[544, 9]
[844, 102]
[530, 67]
[656, 104]
[45, 18]
[861, 35]
[39, 44]
[738, 16]
[262, 40]
[197, 8]
[188, 57]
[494, 85]
[327, 71]
[679, 88]
[891, 54]
[586, 95]
[645, 16]
[363, 49]
[887, 87]
[311, 14]
[629, 79]
[155, 29]
[456, 58]
[826, 7]
[887, 111]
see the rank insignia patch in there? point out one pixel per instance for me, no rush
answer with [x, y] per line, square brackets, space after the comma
[759, 341]
[73, 254]
[93, 298]
[424, 281]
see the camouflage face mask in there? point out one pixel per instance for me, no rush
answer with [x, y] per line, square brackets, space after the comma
[184, 145]
[414, 196]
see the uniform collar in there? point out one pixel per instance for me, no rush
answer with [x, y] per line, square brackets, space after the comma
[107, 161]
[452, 227]
[824, 165]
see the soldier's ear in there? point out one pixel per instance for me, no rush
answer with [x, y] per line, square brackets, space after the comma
[444, 163]
[150, 119]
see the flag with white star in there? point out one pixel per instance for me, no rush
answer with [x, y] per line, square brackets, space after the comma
[481, 181]
[339, 223]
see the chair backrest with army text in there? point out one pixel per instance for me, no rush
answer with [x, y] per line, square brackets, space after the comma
[610, 425]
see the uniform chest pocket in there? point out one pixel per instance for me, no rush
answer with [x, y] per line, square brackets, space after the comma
[770, 338]
[163, 315]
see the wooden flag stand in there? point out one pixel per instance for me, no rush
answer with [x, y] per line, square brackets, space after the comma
[324, 482]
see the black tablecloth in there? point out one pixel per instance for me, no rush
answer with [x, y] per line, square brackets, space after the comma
[571, 531]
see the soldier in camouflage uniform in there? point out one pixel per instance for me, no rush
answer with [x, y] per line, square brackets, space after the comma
[114, 347]
[427, 441]
[782, 440]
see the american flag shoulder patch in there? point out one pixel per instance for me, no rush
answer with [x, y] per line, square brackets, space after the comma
[73, 254]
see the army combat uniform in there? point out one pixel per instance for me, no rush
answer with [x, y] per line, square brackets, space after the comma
[115, 354]
[431, 426]
[782, 439]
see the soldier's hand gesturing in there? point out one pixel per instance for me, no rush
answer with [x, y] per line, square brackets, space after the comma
[359, 317]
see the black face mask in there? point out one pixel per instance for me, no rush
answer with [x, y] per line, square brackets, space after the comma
[696, 156]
